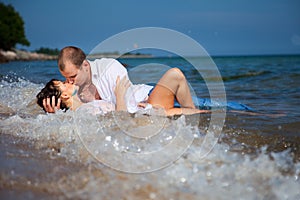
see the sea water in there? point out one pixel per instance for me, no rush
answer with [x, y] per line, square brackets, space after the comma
[146, 155]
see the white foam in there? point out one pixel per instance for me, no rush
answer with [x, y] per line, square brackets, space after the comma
[221, 174]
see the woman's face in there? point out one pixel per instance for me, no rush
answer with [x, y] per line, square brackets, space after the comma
[66, 89]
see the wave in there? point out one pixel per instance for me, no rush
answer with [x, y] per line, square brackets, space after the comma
[245, 75]
[76, 173]
[63, 153]
[11, 78]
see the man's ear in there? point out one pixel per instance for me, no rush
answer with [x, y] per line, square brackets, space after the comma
[85, 65]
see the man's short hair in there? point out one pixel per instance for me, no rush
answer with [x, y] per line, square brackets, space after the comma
[73, 54]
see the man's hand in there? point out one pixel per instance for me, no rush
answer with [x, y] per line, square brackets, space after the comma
[121, 87]
[50, 105]
[120, 92]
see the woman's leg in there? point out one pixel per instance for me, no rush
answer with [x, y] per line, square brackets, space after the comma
[172, 85]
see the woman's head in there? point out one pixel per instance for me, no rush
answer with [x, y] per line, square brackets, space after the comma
[57, 89]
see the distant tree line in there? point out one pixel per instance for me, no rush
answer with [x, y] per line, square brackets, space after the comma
[47, 51]
[137, 53]
[11, 28]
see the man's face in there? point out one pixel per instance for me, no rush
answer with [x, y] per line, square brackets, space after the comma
[74, 75]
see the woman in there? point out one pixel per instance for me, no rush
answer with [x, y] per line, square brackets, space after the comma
[172, 85]
[68, 95]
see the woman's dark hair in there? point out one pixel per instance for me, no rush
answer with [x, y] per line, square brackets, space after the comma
[48, 91]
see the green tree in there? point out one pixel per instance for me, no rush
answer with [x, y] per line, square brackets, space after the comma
[47, 51]
[11, 28]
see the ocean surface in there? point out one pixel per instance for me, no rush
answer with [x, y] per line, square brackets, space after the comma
[228, 154]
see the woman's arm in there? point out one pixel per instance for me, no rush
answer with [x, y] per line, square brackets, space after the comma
[120, 91]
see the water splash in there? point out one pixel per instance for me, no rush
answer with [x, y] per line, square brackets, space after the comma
[223, 173]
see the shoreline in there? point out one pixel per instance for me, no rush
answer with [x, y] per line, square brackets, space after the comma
[115, 56]
[19, 55]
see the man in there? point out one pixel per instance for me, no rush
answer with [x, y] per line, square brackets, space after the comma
[96, 79]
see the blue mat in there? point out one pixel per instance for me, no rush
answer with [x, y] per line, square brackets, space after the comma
[207, 104]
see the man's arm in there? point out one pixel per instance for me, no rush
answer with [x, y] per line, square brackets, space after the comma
[104, 76]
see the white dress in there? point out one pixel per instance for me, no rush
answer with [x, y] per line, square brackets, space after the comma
[96, 107]
[102, 107]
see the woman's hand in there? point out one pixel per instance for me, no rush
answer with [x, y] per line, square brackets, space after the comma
[50, 106]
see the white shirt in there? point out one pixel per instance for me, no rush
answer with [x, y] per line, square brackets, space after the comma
[104, 75]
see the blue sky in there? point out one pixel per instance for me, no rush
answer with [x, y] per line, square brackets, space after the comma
[231, 27]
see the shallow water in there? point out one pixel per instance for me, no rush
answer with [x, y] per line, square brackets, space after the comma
[74, 156]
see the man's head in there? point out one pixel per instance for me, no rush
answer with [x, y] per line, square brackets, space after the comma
[73, 65]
